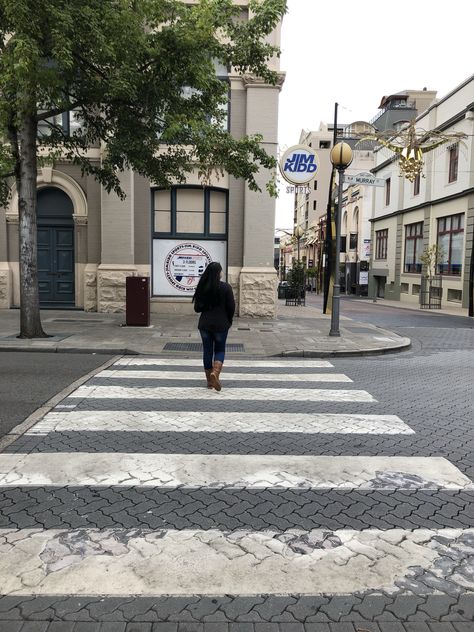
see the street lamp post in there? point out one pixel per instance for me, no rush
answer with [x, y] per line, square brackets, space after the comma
[341, 158]
[298, 234]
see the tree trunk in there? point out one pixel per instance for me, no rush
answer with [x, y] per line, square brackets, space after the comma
[30, 321]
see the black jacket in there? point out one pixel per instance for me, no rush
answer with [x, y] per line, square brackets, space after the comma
[219, 317]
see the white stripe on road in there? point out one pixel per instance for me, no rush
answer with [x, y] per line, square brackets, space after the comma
[122, 562]
[216, 471]
[241, 394]
[191, 375]
[289, 364]
[177, 421]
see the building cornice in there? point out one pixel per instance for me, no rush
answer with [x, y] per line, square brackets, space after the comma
[447, 198]
[251, 81]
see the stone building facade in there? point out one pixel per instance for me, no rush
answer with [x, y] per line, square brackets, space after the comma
[89, 241]
[436, 209]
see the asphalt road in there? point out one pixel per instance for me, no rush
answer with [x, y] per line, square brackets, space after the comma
[28, 380]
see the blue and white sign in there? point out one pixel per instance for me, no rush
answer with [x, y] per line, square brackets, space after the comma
[299, 164]
[178, 264]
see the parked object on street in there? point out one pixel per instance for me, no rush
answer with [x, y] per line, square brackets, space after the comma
[214, 299]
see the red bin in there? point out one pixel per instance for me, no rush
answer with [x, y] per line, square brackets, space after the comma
[137, 301]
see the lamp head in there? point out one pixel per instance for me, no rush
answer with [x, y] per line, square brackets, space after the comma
[299, 232]
[341, 155]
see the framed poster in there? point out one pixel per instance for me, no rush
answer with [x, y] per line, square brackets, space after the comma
[178, 264]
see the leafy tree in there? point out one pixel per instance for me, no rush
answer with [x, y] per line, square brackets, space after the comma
[431, 257]
[296, 276]
[139, 76]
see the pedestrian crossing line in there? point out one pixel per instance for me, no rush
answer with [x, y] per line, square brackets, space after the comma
[142, 562]
[235, 471]
[264, 377]
[194, 393]
[190, 421]
[168, 362]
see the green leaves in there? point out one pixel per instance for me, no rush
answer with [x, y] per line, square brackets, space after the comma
[124, 66]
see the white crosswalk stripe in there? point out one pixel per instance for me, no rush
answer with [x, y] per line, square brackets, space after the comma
[265, 377]
[191, 421]
[253, 364]
[254, 471]
[213, 561]
[239, 394]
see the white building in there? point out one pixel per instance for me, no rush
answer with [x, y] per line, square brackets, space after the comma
[437, 208]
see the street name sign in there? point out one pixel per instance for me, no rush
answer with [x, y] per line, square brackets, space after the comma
[364, 178]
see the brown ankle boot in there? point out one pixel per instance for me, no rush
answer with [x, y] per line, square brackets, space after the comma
[208, 377]
[214, 377]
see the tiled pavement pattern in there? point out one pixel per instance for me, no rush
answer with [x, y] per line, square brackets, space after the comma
[390, 551]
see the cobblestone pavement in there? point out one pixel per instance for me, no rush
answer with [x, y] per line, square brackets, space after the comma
[391, 550]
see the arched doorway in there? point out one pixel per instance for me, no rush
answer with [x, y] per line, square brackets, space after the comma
[55, 248]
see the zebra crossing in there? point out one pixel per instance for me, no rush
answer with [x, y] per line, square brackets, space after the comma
[153, 521]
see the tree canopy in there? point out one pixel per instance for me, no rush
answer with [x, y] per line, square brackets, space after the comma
[139, 78]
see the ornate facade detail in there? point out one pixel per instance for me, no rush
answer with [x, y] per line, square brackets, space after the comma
[258, 82]
[80, 220]
[12, 218]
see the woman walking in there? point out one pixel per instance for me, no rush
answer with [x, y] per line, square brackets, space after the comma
[214, 299]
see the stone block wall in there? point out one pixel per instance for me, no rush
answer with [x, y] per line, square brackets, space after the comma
[5, 286]
[233, 278]
[111, 285]
[90, 288]
[258, 292]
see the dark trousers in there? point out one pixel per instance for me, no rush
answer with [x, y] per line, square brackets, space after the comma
[213, 346]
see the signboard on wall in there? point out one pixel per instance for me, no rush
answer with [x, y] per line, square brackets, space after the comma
[299, 164]
[178, 264]
[366, 252]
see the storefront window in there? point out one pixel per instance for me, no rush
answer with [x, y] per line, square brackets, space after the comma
[190, 211]
[450, 244]
[413, 247]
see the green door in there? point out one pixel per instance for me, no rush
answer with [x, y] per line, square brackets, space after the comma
[55, 249]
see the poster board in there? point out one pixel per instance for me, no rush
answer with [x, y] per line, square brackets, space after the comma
[178, 264]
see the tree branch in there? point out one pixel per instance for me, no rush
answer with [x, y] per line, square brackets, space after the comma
[54, 112]
[7, 175]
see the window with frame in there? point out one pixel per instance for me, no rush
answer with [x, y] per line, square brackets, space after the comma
[68, 123]
[190, 211]
[450, 244]
[416, 185]
[453, 162]
[388, 185]
[353, 241]
[413, 247]
[343, 243]
[381, 241]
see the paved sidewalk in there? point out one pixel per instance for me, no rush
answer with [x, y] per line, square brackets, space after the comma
[297, 331]
[446, 311]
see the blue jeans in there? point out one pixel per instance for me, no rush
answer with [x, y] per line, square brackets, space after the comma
[213, 346]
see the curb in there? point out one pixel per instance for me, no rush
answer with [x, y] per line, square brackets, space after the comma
[91, 350]
[313, 353]
[297, 353]
[40, 412]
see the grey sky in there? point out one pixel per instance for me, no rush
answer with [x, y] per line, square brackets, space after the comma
[356, 52]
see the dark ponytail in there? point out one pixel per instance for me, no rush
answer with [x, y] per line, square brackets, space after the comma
[206, 295]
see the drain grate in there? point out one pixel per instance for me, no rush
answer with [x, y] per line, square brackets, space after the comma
[197, 346]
